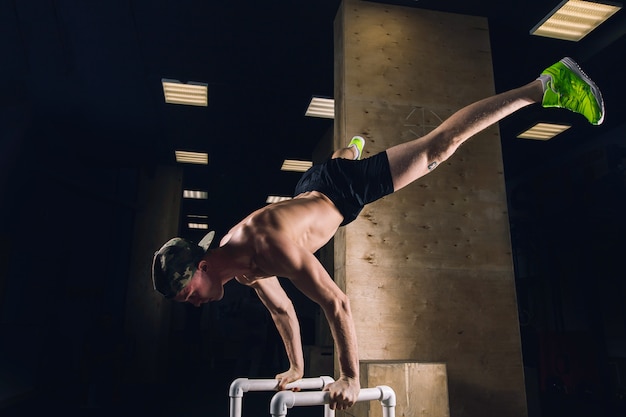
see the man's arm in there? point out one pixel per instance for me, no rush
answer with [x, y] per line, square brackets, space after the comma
[283, 313]
[310, 277]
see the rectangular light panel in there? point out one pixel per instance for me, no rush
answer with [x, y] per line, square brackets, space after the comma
[572, 20]
[197, 225]
[197, 216]
[187, 157]
[191, 93]
[321, 107]
[543, 131]
[276, 199]
[195, 194]
[295, 165]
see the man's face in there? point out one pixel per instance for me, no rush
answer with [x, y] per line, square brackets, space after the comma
[200, 290]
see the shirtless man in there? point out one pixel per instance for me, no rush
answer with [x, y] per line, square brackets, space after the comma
[279, 240]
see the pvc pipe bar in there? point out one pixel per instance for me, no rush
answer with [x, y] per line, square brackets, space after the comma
[241, 385]
[288, 399]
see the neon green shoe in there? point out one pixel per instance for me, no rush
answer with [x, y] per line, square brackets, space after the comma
[358, 142]
[570, 88]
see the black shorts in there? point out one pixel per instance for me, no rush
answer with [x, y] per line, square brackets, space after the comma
[349, 184]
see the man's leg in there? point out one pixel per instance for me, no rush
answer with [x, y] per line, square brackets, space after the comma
[412, 160]
[562, 85]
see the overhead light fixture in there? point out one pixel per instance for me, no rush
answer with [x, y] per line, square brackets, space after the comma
[321, 107]
[572, 20]
[295, 165]
[190, 93]
[543, 131]
[276, 199]
[197, 216]
[197, 225]
[195, 194]
[200, 158]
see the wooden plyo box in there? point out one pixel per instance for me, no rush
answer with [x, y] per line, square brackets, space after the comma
[421, 388]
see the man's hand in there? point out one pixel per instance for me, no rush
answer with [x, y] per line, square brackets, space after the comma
[343, 393]
[288, 376]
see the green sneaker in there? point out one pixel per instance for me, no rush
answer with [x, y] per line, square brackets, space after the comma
[358, 142]
[570, 88]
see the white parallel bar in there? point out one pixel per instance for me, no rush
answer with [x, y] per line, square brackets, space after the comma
[242, 385]
[283, 400]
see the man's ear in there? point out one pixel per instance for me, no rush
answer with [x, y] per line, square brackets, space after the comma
[203, 266]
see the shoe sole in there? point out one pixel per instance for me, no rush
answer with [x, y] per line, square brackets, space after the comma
[573, 66]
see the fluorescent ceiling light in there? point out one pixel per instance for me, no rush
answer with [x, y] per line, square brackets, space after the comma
[198, 195]
[543, 131]
[294, 165]
[572, 20]
[197, 225]
[197, 216]
[321, 107]
[276, 199]
[200, 158]
[191, 93]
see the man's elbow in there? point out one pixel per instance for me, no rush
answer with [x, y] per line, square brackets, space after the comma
[283, 309]
[339, 306]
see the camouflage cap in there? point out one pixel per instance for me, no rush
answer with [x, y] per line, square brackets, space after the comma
[175, 263]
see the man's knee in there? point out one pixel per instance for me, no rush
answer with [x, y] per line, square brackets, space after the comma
[440, 149]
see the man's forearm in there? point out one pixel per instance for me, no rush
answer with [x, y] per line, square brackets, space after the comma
[284, 316]
[289, 329]
[339, 317]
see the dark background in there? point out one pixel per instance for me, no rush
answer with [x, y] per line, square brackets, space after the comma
[82, 113]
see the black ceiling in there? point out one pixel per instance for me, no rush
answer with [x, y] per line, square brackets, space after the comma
[82, 81]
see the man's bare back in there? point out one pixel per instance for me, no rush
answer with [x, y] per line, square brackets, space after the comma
[309, 221]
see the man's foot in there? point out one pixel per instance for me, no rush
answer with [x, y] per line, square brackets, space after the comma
[568, 87]
[358, 143]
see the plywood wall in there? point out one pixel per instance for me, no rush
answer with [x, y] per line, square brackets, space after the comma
[428, 270]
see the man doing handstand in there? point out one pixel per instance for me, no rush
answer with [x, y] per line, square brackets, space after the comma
[279, 240]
